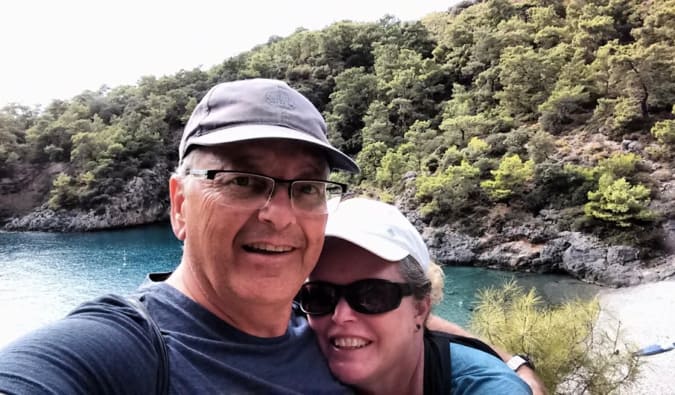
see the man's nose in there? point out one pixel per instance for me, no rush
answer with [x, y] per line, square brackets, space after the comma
[279, 208]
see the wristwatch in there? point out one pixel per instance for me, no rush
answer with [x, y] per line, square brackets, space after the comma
[519, 360]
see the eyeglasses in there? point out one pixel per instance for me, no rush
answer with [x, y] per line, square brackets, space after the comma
[369, 296]
[253, 191]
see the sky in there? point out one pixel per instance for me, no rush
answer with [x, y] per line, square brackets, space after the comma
[56, 49]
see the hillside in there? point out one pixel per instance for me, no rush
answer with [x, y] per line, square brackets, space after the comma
[528, 135]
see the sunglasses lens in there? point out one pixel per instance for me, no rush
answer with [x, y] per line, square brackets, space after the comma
[373, 296]
[318, 298]
[370, 296]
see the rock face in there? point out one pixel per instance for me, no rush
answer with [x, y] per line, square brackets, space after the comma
[144, 200]
[579, 255]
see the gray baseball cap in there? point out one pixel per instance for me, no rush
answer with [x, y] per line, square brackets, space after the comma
[259, 109]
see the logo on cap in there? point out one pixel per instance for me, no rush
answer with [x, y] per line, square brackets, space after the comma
[280, 99]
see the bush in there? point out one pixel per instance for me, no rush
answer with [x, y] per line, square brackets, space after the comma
[449, 190]
[619, 164]
[664, 132]
[617, 115]
[565, 343]
[619, 202]
[510, 178]
[540, 146]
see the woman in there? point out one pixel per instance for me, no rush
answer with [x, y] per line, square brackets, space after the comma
[368, 299]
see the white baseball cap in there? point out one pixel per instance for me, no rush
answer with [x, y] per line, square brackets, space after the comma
[379, 228]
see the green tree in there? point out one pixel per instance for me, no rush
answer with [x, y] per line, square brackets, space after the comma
[354, 90]
[541, 146]
[369, 159]
[664, 132]
[63, 193]
[449, 190]
[619, 202]
[510, 178]
[395, 163]
[564, 340]
[619, 164]
[528, 78]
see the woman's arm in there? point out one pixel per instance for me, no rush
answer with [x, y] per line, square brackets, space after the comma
[524, 372]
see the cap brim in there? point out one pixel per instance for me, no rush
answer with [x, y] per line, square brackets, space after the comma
[231, 134]
[376, 245]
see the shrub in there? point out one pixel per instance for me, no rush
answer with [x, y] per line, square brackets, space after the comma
[540, 146]
[566, 344]
[510, 178]
[63, 193]
[616, 115]
[449, 190]
[664, 132]
[619, 164]
[619, 202]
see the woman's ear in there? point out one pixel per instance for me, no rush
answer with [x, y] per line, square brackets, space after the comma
[422, 310]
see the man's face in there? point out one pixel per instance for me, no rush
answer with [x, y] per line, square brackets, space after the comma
[248, 255]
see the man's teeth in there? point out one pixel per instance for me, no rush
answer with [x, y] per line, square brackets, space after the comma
[270, 247]
[349, 342]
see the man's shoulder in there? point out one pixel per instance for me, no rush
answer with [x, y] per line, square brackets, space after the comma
[88, 350]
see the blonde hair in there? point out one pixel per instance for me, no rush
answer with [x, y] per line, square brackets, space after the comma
[437, 277]
[424, 284]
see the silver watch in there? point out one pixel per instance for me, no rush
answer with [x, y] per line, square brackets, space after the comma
[519, 360]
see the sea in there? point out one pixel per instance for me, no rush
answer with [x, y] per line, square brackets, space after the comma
[45, 275]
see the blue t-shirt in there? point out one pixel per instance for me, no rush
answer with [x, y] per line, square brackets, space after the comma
[476, 372]
[104, 347]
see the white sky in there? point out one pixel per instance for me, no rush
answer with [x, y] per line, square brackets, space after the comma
[58, 48]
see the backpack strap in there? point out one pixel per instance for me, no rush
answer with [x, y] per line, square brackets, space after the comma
[465, 341]
[438, 361]
[437, 365]
[160, 344]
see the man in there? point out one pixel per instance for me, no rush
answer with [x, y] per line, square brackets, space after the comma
[249, 200]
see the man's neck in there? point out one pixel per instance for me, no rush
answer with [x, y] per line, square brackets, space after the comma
[256, 319]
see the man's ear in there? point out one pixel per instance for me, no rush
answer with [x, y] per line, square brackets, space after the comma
[177, 197]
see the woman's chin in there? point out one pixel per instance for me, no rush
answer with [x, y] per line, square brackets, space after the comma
[350, 373]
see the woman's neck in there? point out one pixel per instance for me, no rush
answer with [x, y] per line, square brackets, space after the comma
[407, 379]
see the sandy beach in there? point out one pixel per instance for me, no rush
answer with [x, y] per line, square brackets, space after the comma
[647, 316]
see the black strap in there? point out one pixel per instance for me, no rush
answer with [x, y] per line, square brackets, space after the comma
[437, 365]
[438, 361]
[465, 341]
[160, 345]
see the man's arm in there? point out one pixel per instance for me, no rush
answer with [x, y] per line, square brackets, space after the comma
[99, 348]
[524, 372]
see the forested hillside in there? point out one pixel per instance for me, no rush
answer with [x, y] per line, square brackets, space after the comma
[476, 116]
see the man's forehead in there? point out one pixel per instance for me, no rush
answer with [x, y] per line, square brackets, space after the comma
[265, 152]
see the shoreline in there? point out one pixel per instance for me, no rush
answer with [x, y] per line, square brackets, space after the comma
[646, 315]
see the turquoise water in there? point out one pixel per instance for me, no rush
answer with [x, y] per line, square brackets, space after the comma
[45, 275]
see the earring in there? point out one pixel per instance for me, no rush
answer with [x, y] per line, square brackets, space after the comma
[418, 327]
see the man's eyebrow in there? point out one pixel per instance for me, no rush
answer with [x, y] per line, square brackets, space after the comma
[310, 169]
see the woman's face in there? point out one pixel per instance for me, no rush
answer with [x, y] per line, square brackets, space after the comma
[366, 350]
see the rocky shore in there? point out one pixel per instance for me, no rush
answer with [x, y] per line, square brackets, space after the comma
[508, 239]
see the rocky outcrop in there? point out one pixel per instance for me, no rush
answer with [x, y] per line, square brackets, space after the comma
[144, 200]
[579, 255]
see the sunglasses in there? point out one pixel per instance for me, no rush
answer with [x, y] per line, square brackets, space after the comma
[369, 296]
